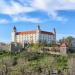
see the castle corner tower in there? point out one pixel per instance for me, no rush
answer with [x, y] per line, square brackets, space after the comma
[54, 34]
[13, 34]
[38, 27]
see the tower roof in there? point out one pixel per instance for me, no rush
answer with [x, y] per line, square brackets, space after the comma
[33, 32]
[54, 30]
[38, 27]
[14, 28]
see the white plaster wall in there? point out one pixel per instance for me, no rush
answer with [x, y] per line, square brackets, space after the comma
[13, 37]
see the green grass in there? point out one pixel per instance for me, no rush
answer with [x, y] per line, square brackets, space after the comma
[32, 61]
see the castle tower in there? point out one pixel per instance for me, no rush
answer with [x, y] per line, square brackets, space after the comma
[13, 35]
[38, 27]
[54, 34]
[38, 33]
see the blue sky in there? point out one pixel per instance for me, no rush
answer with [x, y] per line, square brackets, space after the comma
[27, 14]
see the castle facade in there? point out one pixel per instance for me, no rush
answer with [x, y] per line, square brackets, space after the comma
[33, 36]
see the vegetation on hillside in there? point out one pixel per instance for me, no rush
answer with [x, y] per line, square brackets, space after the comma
[30, 63]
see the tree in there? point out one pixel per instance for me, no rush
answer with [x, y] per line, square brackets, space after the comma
[69, 39]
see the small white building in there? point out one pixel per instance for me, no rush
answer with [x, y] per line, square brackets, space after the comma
[63, 48]
[33, 36]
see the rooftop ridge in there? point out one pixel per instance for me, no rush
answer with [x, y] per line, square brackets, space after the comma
[34, 31]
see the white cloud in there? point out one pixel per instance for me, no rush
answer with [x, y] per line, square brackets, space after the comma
[3, 21]
[26, 19]
[49, 6]
[62, 19]
[13, 8]
[39, 4]
[52, 6]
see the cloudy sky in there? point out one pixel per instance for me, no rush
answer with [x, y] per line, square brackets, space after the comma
[27, 14]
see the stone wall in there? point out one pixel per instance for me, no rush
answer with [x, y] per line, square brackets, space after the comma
[15, 47]
[55, 50]
[4, 47]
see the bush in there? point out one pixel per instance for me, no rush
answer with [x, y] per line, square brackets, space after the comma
[14, 61]
[61, 62]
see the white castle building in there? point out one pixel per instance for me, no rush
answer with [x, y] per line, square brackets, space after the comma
[33, 36]
[19, 39]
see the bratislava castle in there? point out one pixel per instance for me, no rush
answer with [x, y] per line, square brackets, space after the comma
[33, 36]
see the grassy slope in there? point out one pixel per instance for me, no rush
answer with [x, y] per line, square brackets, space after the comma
[31, 62]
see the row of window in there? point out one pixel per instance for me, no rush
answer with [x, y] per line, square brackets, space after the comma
[26, 36]
[34, 37]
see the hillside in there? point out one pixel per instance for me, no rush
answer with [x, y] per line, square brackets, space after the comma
[32, 63]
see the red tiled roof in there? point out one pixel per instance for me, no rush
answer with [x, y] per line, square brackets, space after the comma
[63, 45]
[45, 32]
[26, 32]
[33, 32]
